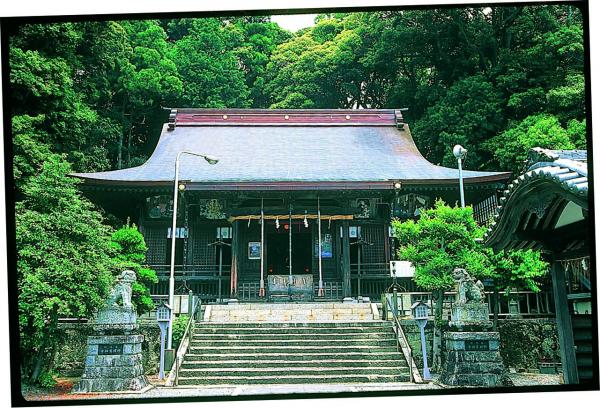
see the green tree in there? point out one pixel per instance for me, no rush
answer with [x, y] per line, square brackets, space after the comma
[510, 148]
[130, 249]
[207, 64]
[442, 239]
[516, 269]
[469, 112]
[64, 262]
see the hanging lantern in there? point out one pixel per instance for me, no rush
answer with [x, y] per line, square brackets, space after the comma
[305, 220]
[277, 222]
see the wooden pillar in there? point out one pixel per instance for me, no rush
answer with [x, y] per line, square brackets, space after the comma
[235, 245]
[261, 289]
[320, 292]
[346, 287]
[563, 325]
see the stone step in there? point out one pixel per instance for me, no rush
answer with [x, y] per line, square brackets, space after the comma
[290, 371]
[300, 356]
[302, 312]
[291, 349]
[297, 325]
[292, 318]
[294, 335]
[300, 343]
[300, 379]
[285, 363]
[292, 306]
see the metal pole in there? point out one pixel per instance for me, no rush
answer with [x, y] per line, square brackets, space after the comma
[395, 301]
[261, 290]
[161, 370]
[320, 293]
[426, 374]
[172, 272]
[210, 160]
[460, 181]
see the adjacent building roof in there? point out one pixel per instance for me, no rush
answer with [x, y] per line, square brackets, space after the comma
[288, 149]
[536, 202]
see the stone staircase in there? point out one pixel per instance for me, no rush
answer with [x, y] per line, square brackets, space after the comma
[293, 344]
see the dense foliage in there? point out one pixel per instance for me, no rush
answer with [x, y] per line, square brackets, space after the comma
[445, 238]
[64, 265]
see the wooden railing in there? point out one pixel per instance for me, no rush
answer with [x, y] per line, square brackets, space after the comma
[248, 291]
[526, 303]
[192, 272]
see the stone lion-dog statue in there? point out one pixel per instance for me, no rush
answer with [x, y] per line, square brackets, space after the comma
[468, 289]
[122, 289]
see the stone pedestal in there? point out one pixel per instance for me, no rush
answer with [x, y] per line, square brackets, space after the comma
[116, 318]
[473, 359]
[114, 355]
[113, 363]
[470, 316]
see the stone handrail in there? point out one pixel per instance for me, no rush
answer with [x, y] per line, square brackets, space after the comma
[404, 346]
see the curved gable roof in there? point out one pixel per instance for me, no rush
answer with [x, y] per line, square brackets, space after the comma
[535, 200]
[256, 147]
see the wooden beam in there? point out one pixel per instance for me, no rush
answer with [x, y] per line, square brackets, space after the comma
[235, 244]
[346, 289]
[564, 326]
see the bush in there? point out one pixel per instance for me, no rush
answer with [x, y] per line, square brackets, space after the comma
[179, 325]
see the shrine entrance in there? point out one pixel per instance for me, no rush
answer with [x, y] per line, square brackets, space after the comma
[278, 249]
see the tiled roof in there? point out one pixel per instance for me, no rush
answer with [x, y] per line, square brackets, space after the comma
[565, 174]
[289, 146]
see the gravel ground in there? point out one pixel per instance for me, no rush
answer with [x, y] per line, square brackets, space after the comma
[63, 389]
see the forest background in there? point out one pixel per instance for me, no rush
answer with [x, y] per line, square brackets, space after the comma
[91, 96]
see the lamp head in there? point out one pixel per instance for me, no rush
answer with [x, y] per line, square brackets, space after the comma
[459, 152]
[211, 159]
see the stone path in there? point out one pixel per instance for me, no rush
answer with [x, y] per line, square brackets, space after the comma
[63, 392]
[233, 391]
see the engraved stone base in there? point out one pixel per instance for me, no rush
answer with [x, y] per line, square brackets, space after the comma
[113, 363]
[116, 317]
[473, 359]
[470, 316]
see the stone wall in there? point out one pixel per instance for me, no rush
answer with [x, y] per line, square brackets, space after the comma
[70, 360]
[523, 342]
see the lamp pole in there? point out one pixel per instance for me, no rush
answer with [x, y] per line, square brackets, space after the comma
[460, 153]
[210, 160]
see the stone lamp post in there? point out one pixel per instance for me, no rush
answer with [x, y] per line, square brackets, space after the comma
[420, 312]
[163, 317]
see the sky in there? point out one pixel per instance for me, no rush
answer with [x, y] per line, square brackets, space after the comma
[294, 22]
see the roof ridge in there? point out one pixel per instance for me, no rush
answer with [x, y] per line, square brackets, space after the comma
[284, 117]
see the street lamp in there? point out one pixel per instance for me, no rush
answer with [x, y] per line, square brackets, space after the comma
[210, 160]
[163, 317]
[420, 312]
[460, 153]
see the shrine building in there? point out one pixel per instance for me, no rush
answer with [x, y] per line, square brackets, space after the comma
[298, 199]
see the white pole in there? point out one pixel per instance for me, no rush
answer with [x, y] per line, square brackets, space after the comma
[172, 274]
[320, 293]
[460, 181]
